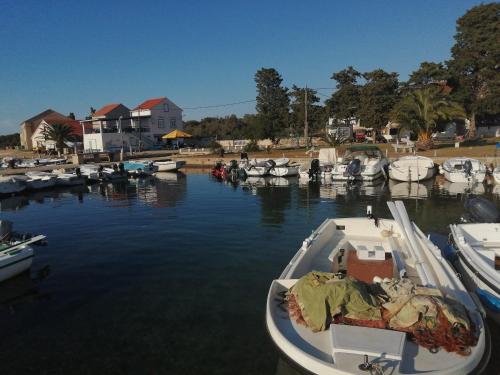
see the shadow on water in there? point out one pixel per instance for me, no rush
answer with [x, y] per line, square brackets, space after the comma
[169, 275]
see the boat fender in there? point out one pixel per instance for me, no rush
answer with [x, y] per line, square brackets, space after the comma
[78, 172]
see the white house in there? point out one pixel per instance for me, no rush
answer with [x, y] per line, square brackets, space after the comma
[140, 128]
[39, 139]
[156, 117]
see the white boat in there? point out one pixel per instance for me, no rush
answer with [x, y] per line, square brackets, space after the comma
[412, 168]
[287, 171]
[94, 173]
[37, 180]
[257, 168]
[12, 184]
[69, 178]
[16, 255]
[169, 165]
[138, 168]
[347, 261]
[478, 261]
[496, 175]
[361, 163]
[463, 170]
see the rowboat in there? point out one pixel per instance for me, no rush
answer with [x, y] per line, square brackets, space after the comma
[346, 303]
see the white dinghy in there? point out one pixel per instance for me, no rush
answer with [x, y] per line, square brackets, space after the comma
[37, 180]
[169, 165]
[478, 261]
[16, 254]
[412, 169]
[463, 170]
[361, 163]
[285, 171]
[364, 295]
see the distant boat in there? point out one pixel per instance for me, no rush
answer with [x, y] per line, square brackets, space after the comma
[169, 165]
[16, 254]
[286, 171]
[342, 304]
[412, 168]
[37, 180]
[69, 178]
[138, 168]
[463, 170]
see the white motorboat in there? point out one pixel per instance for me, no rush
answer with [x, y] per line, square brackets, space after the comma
[91, 172]
[287, 171]
[16, 254]
[69, 178]
[37, 180]
[496, 175]
[94, 173]
[169, 165]
[361, 163]
[412, 168]
[254, 168]
[138, 168]
[12, 184]
[478, 261]
[463, 170]
[340, 304]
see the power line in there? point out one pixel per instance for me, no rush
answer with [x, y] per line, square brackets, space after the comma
[221, 105]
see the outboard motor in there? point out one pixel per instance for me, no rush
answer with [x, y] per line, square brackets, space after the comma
[481, 210]
[468, 168]
[78, 172]
[243, 156]
[121, 168]
[354, 168]
[115, 167]
[315, 170]
[232, 170]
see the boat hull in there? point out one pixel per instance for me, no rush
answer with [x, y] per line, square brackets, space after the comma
[461, 177]
[411, 174]
[284, 171]
[169, 166]
[11, 266]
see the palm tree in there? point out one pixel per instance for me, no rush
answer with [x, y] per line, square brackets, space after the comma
[422, 109]
[60, 134]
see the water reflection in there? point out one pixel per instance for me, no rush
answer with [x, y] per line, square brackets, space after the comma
[18, 202]
[164, 190]
[410, 190]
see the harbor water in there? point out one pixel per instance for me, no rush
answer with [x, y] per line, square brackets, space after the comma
[170, 275]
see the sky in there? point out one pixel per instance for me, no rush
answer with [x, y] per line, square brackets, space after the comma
[70, 55]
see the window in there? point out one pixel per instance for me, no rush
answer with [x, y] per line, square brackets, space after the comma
[165, 107]
[172, 123]
[161, 123]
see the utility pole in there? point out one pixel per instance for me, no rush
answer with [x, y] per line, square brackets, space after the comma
[306, 125]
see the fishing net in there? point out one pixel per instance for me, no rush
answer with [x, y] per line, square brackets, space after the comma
[431, 320]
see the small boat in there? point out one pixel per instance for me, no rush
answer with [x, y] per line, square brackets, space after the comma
[463, 170]
[169, 165]
[361, 163]
[16, 254]
[91, 172]
[140, 168]
[412, 169]
[475, 252]
[285, 171]
[69, 178]
[12, 184]
[37, 180]
[219, 170]
[256, 168]
[496, 175]
[369, 295]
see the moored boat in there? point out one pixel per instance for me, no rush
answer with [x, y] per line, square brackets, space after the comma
[169, 165]
[463, 169]
[286, 171]
[138, 168]
[412, 168]
[12, 184]
[368, 294]
[37, 180]
[361, 163]
[16, 254]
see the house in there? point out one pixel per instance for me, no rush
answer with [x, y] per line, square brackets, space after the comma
[29, 126]
[108, 116]
[39, 139]
[154, 118]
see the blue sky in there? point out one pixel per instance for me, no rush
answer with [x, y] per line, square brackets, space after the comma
[70, 55]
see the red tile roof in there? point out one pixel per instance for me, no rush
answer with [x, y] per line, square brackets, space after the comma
[150, 103]
[106, 109]
[74, 124]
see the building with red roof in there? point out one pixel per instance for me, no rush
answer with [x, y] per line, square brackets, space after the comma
[39, 138]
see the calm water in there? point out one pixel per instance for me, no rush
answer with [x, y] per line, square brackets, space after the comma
[170, 276]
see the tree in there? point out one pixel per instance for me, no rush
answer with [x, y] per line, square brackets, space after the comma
[272, 103]
[421, 110]
[429, 72]
[60, 134]
[72, 116]
[474, 62]
[377, 98]
[344, 103]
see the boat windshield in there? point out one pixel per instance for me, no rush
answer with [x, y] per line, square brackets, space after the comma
[371, 152]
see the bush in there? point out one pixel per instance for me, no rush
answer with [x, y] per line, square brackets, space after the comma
[214, 146]
[252, 146]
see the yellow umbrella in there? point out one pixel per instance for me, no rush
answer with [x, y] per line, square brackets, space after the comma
[174, 134]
